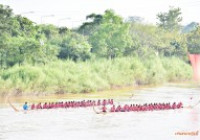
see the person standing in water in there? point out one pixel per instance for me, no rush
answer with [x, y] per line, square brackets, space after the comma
[25, 106]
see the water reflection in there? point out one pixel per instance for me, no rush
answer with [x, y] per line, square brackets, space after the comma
[83, 123]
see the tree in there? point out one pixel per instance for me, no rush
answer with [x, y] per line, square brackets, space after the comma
[111, 18]
[193, 41]
[4, 49]
[49, 31]
[112, 36]
[170, 20]
[6, 21]
[88, 27]
[75, 47]
[150, 40]
[134, 19]
[63, 30]
[6, 30]
[29, 50]
[26, 26]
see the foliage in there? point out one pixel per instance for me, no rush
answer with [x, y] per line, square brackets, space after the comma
[170, 20]
[75, 47]
[68, 76]
[102, 53]
[111, 38]
[193, 41]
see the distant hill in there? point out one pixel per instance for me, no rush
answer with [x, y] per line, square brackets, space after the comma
[190, 27]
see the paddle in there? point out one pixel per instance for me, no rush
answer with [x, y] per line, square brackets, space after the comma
[15, 109]
[196, 104]
[98, 112]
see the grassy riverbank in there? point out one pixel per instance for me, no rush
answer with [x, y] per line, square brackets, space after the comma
[90, 76]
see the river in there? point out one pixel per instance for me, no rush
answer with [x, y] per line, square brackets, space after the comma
[83, 123]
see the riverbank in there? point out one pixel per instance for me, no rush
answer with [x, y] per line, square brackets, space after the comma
[61, 77]
[115, 93]
[125, 92]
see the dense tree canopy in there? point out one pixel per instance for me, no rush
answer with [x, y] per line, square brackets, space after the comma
[170, 20]
[75, 47]
[193, 41]
[112, 36]
[105, 35]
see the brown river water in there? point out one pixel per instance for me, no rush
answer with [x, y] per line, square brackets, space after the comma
[84, 124]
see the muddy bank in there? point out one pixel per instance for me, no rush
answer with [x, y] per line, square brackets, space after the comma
[117, 92]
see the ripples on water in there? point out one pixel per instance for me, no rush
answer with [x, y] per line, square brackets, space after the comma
[83, 123]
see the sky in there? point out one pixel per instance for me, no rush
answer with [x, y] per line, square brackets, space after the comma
[72, 13]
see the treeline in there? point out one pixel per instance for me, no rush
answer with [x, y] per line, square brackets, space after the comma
[27, 47]
[105, 36]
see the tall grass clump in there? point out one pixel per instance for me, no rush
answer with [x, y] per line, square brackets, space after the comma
[176, 69]
[93, 75]
[155, 71]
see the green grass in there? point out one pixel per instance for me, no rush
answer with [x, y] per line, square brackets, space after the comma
[90, 76]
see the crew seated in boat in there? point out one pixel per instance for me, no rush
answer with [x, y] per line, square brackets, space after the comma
[104, 102]
[146, 107]
[112, 108]
[180, 105]
[32, 106]
[174, 105]
[118, 109]
[44, 106]
[104, 109]
[126, 108]
[111, 102]
[99, 102]
[39, 106]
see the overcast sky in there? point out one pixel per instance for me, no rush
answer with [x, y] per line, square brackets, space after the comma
[73, 12]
